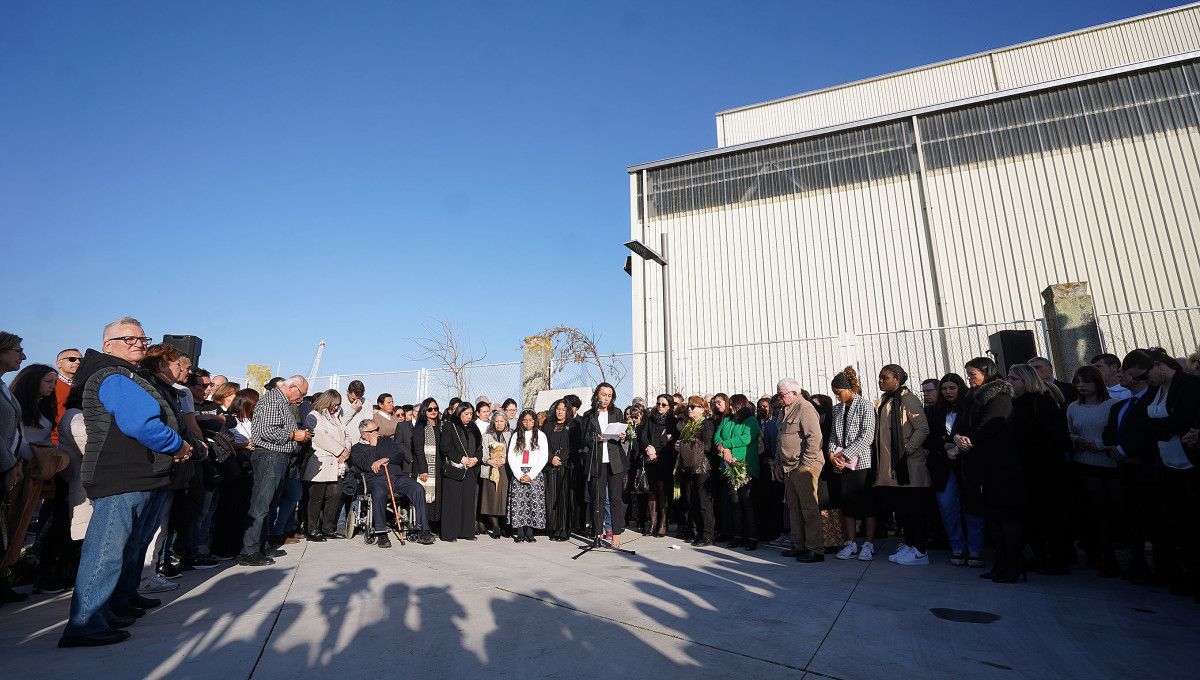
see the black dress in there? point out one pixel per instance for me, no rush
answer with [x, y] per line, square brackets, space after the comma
[577, 480]
[421, 465]
[458, 495]
[558, 498]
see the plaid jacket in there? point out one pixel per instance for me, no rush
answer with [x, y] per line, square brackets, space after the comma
[273, 423]
[854, 430]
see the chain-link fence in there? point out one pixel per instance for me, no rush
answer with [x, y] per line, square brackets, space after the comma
[495, 381]
[1175, 330]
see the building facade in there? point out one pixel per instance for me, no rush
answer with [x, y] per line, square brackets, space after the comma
[905, 218]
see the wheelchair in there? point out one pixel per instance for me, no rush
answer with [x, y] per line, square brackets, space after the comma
[359, 516]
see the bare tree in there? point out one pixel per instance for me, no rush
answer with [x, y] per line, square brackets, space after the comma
[573, 346]
[445, 344]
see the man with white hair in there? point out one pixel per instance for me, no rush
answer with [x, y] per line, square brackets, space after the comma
[217, 381]
[799, 454]
[276, 435]
[132, 439]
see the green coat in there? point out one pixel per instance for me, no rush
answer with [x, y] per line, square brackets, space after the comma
[740, 439]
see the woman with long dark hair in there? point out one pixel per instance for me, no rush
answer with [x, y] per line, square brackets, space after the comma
[902, 477]
[736, 442]
[426, 441]
[1103, 487]
[657, 434]
[558, 497]
[607, 461]
[992, 481]
[527, 456]
[1039, 429]
[237, 481]
[34, 390]
[459, 451]
[966, 545]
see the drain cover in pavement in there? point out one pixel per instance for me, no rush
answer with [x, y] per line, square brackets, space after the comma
[964, 615]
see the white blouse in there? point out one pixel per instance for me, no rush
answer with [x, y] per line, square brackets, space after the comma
[523, 460]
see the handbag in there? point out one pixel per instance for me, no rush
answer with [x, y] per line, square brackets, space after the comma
[640, 484]
[693, 457]
[47, 461]
[451, 471]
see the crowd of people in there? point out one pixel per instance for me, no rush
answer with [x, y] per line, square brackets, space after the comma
[136, 466]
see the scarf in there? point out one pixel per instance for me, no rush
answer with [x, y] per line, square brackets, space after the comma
[899, 465]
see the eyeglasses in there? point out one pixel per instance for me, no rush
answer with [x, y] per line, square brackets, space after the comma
[72, 360]
[132, 340]
[370, 431]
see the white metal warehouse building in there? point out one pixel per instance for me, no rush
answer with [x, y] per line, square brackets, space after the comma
[951, 195]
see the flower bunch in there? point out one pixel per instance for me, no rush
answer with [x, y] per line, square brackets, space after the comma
[736, 475]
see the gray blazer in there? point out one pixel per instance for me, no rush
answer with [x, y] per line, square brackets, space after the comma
[10, 429]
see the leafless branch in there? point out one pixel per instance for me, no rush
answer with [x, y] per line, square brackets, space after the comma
[445, 345]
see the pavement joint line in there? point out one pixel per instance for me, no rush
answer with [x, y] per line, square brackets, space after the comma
[656, 632]
[278, 613]
[833, 623]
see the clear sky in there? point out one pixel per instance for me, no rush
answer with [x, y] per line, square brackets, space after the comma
[269, 174]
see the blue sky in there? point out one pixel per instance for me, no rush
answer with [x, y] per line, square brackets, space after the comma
[269, 174]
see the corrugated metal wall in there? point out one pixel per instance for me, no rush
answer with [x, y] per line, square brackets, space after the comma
[1153, 36]
[780, 253]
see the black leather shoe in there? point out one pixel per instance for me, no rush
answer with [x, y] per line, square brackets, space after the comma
[791, 552]
[146, 602]
[384, 541]
[425, 538]
[104, 637]
[276, 553]
[809, 557]
[117, 621]
[750, 544]
[255, 560]
[316, 538]
[127, 611]
[702, 543]
[167, 571]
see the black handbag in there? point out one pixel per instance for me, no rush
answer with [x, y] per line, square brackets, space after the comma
[454, 472]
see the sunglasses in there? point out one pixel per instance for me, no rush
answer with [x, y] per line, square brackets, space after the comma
[432, 409]
[72, 360]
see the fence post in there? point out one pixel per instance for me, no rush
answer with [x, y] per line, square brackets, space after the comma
[535, 369]
[1071, 327]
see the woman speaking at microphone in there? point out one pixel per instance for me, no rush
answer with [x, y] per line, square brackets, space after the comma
[607, 461]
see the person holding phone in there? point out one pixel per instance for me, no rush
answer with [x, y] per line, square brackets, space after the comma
[850, 452]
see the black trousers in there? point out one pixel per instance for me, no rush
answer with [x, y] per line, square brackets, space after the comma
[324, 501]
[700, 504]
[608, 485]
[738, 506]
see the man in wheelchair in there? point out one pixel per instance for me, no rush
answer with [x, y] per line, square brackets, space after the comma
[377, 458]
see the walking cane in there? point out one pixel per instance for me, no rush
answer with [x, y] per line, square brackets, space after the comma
[395, 508]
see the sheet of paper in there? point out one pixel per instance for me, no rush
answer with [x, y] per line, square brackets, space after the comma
[613, 430]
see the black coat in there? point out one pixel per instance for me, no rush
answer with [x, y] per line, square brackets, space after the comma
[1134, 436]
[458, 442]
[939, 464]
[992, 468]
[590, 429]
[1183, 409]
[1042, 439]
[416, 446]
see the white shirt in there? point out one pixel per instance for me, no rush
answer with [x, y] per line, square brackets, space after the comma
[518, 448]
[1119, 392]
[602, 416]
[1171, 451]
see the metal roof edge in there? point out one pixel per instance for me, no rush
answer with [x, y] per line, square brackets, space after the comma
[867, 122]
[968, 57]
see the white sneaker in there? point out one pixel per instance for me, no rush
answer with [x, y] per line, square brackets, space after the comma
[912, 558]
[156, 584]
[900, 552]
[867, 553]
[849, 550]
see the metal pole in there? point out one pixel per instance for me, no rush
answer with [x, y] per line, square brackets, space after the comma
[666, 282]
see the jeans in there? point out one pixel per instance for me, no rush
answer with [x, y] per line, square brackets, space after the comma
[112, 554]
[285, 510]
[269, 468]
[202, 530]
[950, 504]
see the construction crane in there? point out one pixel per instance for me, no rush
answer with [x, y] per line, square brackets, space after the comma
[312, 372]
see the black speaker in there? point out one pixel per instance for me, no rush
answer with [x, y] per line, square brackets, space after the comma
[1011, 347]
[188, 344]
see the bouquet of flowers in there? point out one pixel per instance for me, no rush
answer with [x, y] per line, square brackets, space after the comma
[691, 431]
[495, 453]
[736, 475]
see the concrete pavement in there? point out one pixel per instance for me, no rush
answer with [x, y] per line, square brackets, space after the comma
[530, 611]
